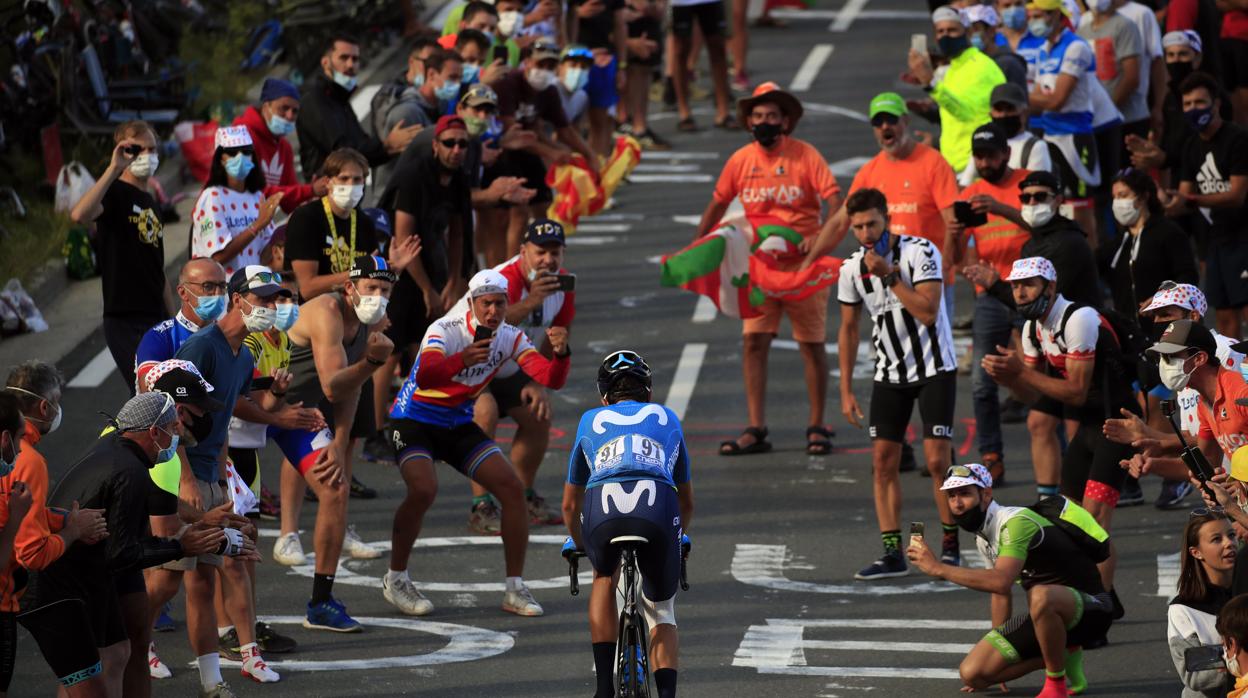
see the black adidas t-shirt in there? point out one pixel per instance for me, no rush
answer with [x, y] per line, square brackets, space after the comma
[1209, 165]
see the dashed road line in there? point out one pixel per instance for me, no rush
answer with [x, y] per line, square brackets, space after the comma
[845, 18]
[685, 378]
[97, 370]
[806, 74]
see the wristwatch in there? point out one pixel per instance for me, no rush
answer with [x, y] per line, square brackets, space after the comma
[891, 278]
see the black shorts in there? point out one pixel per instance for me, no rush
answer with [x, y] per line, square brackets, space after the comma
[891, 406]
[1226, 273]
[1234, 63]
[645, 508]
[464, 447]
[61, 631]
[364, 423]
[409, 318]
[506, 391]
[246, 463]
[521, 163]
[1073, 187]
[708, 15]
[1090, 465]
[129, 582]
[1016, 638]
[93, 588]
[647, 27]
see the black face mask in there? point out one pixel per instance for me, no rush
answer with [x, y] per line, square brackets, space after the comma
[1179, 70]
[1036, 309]
[972, 519]
[1154, 330]
[1012, 125]
[199, 428]
[953, 46]
[766, 134]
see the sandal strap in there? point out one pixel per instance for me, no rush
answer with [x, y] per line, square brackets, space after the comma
[759, 433]
[819, 430]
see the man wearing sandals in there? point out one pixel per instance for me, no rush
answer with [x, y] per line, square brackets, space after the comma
[779, 176]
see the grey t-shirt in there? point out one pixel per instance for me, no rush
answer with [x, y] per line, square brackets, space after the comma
[1115, 40]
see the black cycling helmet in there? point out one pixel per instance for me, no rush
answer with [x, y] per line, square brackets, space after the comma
[619, 364]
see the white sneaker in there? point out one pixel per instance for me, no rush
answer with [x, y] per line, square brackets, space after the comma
[521, 602]
[288, 550]
[255, 669]
[401, 592]
[357, 549]
[155, 667]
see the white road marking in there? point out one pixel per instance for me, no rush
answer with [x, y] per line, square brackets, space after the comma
[652, 178]
[591, 240]
[362, 102]
[97, 370]
[826, 15]
[845, 18]
[688, 220]
[805, 77]
[763, 566]
[847, 167]
[1167, 574]
[861, 646]
[685, 378]
[604, 217]
[677, 155]
[603, 227]
[815, 108]
[885, 623]
[705, 310]
[466, 644]
[684, 167]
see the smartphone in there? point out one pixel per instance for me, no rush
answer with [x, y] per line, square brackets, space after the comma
[881, 246]
[918, 42]
[965, 214]
[1203, 658]
[567, 282]
[482, 332]
[499, 53]
[916, 532]
[134, 150]
[262, 383]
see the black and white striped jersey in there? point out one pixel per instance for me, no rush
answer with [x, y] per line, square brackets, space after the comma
[905, 350]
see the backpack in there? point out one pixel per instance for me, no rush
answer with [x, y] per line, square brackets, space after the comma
[1128, 339]
[1076, 523]
[382, 102]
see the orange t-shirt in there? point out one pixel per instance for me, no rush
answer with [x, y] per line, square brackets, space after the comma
[36, 545]
[918, 188]
[790, 184]
[1227, 422]
[999, 241]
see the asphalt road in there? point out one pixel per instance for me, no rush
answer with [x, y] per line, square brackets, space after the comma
[773, 609]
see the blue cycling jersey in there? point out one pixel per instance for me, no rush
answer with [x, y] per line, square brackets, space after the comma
[629, 441]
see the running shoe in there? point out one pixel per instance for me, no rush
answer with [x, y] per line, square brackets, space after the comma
[1117, 612]
[1132, 495]
[227, 646]
[403, 595]
[270, 505]
[255, 669]
[221, 690]
[288, 551]
[330, 615]
[361, 491]
[484, 518]
[890, 565]
[164, 622]
[624, 129]
[155, 667]
[650, 140]
[1173, 492]
[949, 553]
[540, 513]
[521, 602]
[740, 82]
[356, 548]
[273, 642]
[378, 449]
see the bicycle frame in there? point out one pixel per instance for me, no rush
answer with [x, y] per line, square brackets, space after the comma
[632, 675]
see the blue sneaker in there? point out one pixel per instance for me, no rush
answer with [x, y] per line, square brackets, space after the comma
[163, 622]
[892, 564]
[331, 615]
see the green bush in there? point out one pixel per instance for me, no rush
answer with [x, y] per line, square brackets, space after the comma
[214, 59]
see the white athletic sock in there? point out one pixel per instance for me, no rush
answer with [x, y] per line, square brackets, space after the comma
[395, 575]
[249, 650]
[223, 630]
[209, 670]
[514, 583]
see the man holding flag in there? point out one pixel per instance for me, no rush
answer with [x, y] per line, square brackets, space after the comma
[781, 181]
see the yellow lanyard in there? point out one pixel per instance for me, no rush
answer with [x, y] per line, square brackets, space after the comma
[336, 261]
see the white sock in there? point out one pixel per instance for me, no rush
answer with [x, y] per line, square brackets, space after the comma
[209, 670]
[223, 630]
[249, 651]
[514, 583]
[395, 575]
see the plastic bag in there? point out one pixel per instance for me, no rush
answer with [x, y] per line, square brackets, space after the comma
[73, 182]
[18, 313]
[79, 254]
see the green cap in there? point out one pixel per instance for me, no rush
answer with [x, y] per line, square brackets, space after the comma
[887, 103]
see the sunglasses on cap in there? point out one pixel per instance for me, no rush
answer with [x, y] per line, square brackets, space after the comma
[1206, 511]
[461, 143]
[884, 118]
[1168, 285]
[1039, 197]
[266, 277]
[960, 471]
[548, 46]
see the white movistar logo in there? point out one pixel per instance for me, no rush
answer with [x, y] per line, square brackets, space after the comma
[625, 502]
[1209, 179]
[626, 420]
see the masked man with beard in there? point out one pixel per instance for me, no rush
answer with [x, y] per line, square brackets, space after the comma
[1066, 602]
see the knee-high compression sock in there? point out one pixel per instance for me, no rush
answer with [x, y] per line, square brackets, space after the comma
[1076, 681]
[665, 681]
[604, 665]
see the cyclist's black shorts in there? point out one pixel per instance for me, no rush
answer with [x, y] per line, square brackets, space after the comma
[1016, 639]
[645, 508]
[892, 404]
[61, 629]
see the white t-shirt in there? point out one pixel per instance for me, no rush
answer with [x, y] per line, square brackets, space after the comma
[222, 213]
[1150, 31]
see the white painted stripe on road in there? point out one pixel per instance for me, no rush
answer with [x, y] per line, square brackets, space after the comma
[885, 623]
[847, 167]
[604, 217]
[805, 77]
[95, 372]
[845, 18]
[1167, 575]
[651, 178]
[677, 155]
[603, 227]
[591, 240]
[687, 220]
[685, 378]
[861, 646]
[826, 15]
[643, 167]
[705, 310]
[861, 672]
[763, 566]
[362, 102]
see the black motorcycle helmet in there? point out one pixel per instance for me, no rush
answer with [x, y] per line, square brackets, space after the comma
[619, 364]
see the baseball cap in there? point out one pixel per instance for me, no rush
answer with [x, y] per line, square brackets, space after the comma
[478, 95]
[372, 267]
[576, 52]
[1040, 178]
[544, 231]
[970, 474]
[233, 137]
[486, 282]
[1030, 268]
[1047, 5]
[1009, 93]
[1182, 335]
[146, 410]
[1186, 37]
[543, 50]
[989, 138]
[183, 381]
[946, 13]
[887, 103]
[1185, 296]
[258, 279]
[447, 122]
[983, 14]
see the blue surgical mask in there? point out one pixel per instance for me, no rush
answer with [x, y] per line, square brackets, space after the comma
[575, 78]
[287, 314]
[489, 36]
[1038, 28]
[280, 127]
[210, 308]
[419, 80]
[239, 166]
[1014, 17]
[471, 73]
[977, 40]
[447, 91]
[166, 454]
[347, 82]
[881, 246]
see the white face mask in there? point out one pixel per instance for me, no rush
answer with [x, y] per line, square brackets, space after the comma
[510, 22]
[1036, 215]
[540, 78]
[575, 78]
[1232, 663]
[371, 309]
[1125, 211]
[145, 165]
[347, 82]
[260, 319]
[55, 422]
[1173, 376]
[346, 196]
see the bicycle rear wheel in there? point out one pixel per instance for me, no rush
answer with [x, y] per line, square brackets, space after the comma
[632, 677]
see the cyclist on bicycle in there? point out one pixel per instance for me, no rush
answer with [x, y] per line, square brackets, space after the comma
[629, 475]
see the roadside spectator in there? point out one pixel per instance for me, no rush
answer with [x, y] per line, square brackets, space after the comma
[232, 222]
[601, 26]
[129, 244]
[1152, 87]
[1214, 176]
[1206, 562]
[1234, 44]
[269, 124]
[573, 73]
[1009, 111]
[982, 22]
[1013, 21]
[404, 87]
[327, 121]
[1204, 19]
[1121, 65]
[473, 48]
[739, 47]
[709, 16]
[645, 48]
[1232, 627]
[423, 105]
[963, 92]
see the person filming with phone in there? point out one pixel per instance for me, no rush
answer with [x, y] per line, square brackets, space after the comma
[432, 419]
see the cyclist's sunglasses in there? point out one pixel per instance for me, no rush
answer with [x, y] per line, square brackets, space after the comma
[960, 471]
[265, 277]
[461, 143]
[1168, 285]
[1039, 197]
[885, 118]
